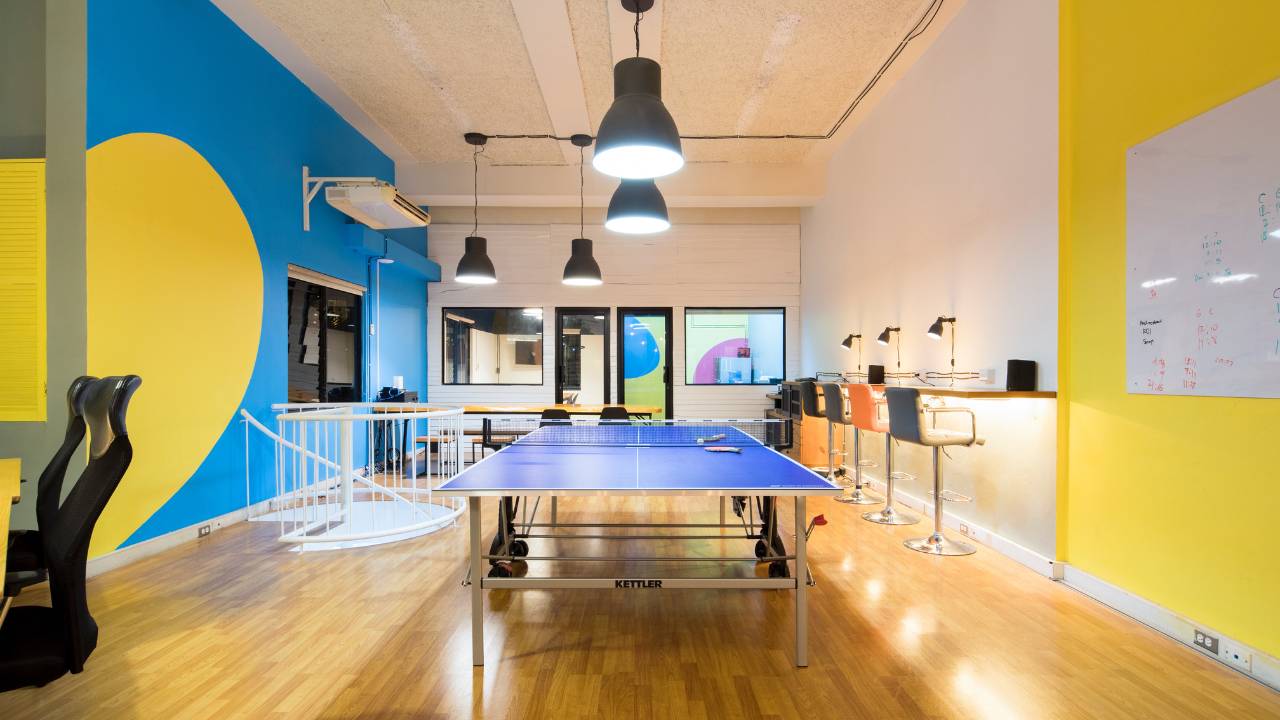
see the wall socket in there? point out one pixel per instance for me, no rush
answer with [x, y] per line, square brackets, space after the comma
[1206, 642]
[204, 530]
[1235, 656]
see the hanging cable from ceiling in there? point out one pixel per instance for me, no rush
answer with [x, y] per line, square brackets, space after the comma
[918, 29]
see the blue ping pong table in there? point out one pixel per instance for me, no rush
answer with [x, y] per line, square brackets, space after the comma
[702, 458]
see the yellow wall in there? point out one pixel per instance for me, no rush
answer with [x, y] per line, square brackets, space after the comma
[1172, 498]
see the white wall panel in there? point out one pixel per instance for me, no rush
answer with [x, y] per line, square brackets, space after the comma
[689, 265]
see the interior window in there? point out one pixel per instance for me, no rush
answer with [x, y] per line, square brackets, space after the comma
[492, 346]
[734, 346]
[324, 343]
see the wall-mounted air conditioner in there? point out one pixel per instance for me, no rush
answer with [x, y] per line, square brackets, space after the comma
[378, 205]
[367, 200]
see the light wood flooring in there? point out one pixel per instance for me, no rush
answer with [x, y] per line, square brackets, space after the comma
[236, 626]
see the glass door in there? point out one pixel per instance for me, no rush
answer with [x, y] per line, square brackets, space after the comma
[644, 358]
[582, 356]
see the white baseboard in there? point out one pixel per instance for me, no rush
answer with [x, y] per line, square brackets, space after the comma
[160, 543]
[1254, 663]
[1018, 553]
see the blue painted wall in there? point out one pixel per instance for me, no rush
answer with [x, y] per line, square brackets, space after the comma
[181, 68]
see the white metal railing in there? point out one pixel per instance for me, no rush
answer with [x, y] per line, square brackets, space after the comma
[356, 474]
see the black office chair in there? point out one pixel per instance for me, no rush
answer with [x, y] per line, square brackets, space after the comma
[614, 413]
[25, 564]
[554, 416]
[41, 644]
[490, 441]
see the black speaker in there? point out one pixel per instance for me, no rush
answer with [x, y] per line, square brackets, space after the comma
[875, 374]
[1021, 375]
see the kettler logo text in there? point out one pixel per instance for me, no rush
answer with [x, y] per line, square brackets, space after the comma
[638, 584]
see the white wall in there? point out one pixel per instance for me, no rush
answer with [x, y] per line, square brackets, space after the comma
[689, 265]
[944, 201]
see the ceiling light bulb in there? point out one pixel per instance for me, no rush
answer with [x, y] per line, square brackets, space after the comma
[638, 138]
[475, 268]
[637, 208]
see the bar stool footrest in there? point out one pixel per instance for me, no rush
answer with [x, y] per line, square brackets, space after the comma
[953, 496]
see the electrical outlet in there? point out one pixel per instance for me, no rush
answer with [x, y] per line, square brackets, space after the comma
[987, 376]
[1206, 642]
[1235, 656]
[964, 529]
[204, 530]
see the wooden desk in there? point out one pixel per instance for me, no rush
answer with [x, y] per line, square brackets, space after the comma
[535, 409]
[527, 409]
[10, 492]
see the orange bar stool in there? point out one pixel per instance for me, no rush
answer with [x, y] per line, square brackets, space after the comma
[857, 494]
[911, 421]
[865, 403]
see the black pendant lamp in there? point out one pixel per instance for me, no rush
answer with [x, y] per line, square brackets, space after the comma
[581, 268]
[637, 208]
[475, 268]
[637, 137]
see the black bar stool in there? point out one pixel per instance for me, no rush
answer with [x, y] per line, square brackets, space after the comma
[812, 408]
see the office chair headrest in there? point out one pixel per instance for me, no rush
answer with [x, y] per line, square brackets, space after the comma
[104, 403]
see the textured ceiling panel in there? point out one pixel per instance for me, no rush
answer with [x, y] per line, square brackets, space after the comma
[427, 70]
[589, 20]
[772, 67]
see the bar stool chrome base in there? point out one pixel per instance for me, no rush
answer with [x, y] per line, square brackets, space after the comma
[938, 544]
[856, 496]
[890, 516]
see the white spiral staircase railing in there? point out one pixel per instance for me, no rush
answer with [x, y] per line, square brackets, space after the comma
[358, 474]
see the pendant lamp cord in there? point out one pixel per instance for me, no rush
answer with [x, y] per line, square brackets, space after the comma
[475, 189]
[582, 160]
[638, 33]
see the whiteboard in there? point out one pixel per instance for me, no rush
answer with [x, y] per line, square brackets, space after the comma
[1203, 254]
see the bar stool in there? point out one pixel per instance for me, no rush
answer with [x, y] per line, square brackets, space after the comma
[809, 405]
[865, 402]
[837, 413]
[909, 422]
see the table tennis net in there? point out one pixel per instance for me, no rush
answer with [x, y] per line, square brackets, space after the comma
[665, 433]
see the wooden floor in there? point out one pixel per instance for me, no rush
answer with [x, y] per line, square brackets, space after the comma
[236, 626]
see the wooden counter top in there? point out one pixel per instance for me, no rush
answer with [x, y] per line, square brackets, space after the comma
[10, 491]
[524, 409]
[535, 409]
[982, 393]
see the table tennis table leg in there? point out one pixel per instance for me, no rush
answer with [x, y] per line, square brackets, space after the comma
[802, 599]
[722, 510]
[554, 508]
[477, 584]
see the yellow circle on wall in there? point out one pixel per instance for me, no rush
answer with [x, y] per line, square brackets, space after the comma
[174, 287]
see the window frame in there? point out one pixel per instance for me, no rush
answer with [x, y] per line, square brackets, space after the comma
[684, 329]
[444, 312]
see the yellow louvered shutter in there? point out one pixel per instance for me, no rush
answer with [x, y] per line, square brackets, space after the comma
[22, 291]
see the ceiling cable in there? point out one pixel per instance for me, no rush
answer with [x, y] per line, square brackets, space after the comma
[921, 25]
[475, 189]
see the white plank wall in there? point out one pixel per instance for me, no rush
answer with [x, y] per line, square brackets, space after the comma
[689, 265]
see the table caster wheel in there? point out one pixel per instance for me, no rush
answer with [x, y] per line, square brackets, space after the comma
[503, 570]
[519, 548]
[778, 569]
[761, 549]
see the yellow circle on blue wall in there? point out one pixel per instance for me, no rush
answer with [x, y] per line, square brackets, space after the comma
[174, 287]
